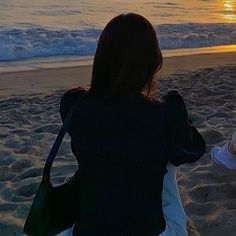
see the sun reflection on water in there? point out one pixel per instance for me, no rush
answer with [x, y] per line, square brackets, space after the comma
[229, 10]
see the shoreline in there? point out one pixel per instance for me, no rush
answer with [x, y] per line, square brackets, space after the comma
[65, 61]
[50, 79]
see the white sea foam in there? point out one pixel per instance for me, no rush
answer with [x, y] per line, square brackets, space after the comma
[31, 41]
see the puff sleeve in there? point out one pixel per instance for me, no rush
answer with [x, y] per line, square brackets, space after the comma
[68, 99]
[185, 142]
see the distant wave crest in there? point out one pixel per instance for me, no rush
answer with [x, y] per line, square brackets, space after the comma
[195, 35]
[33, 41]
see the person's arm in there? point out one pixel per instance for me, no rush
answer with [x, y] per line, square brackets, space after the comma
[186, 143]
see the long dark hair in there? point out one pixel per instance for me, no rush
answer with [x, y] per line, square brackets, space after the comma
[127, 57]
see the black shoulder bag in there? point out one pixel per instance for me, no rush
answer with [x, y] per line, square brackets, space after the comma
[54, 209]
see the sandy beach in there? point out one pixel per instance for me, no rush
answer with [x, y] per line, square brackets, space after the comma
[29, 122]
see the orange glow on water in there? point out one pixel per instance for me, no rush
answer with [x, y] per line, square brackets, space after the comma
[229, 11]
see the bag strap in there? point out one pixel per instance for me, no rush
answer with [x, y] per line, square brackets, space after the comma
[57, 142]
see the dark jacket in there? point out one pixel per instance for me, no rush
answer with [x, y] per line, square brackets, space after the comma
[123, 145]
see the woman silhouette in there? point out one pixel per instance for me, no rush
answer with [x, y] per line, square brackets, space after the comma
[124, 140]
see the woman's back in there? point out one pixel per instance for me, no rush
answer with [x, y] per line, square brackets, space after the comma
[122, 140]
[121, 145]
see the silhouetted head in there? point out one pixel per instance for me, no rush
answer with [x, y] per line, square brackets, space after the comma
[127, 57]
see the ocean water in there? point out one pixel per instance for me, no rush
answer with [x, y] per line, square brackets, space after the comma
[49, 28]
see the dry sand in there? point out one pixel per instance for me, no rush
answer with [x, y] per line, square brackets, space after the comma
[29, 122]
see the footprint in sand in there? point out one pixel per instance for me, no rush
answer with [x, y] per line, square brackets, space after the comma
[14, 143]
[6, 157]
[29, 173]
[22, 164]
[212, 192]
[212, 136]
[216, 121]
[6, 173]
[48, 128]
[8, 206]
[27, 190]
[200, 208]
